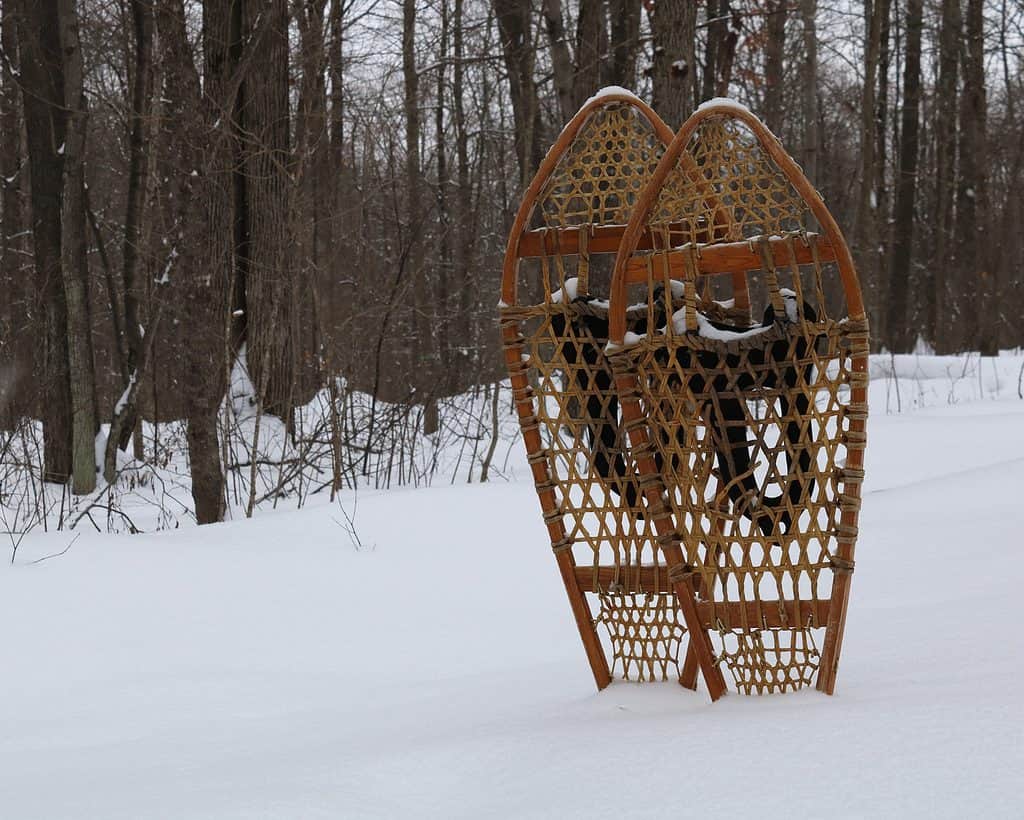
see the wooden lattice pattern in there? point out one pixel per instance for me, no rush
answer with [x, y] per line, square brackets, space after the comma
[600, 177]
[646, 631]
[793, 408]
[751, 425]
[559, 340]
[770, 660]
[724, 178]
[698, 468]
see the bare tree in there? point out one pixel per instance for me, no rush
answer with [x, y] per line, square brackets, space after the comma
[124, 418]
[673, 69]
[14, 354]
[271, 280]
[625, 41]
[881, 186]
[561, 58]
[900, 274]
[972, 186]
[972, 228]
[938, 280]
[866, 227]
[516, 31]
[775, 48]
[809, 89]
[591, 49]
[42, 82]
[74, 262]
[327, 186]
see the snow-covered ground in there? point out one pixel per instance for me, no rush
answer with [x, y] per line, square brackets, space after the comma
[427, 665]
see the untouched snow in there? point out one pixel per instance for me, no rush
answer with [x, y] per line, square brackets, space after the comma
[272, 669]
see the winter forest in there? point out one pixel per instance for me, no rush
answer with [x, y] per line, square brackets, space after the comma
[322, 191]
[468, 553]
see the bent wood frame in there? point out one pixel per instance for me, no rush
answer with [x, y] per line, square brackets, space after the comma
[523, 244]
[735, 259]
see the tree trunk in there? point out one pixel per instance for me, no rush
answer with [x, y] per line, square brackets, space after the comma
[977, 318]
[74, 262]
[775, 50]
[625, 42]
[207, 286]
[313, 172]
[138, 168]
[337, 74]
[271, 280]
[881, 184]
[204, 457]
[898, 323]
[673, 70]
[591, 48]
[518, 49]
[717, 30]
[425, 363]
[866, 244]
[1006, 267]
[937, 284]
[42, 81]
[561, 59]
[15, 355]
[809, 90]
[339, 185]
[444, 252]
[726, 53]
[464, 191]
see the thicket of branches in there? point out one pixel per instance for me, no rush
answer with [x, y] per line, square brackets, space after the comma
[329, 183]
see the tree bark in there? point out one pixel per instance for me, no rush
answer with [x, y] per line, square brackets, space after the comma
[775, 50]
[673, 70]
[207, 286]
[809, 90]
[900, 277]
[866, 244]
[340, 184]
[313, 173]
[727, 50]
[464, 189]
[973, 252]
[881, 184]
[74, 262]
[514, 28]
[591, 48]
[625, 42]
[561, 59]
[15, 354]
[42, 81]
[444, 250]
[717, 29]
[138, 169]
[425, 363]
[937, 329]
[272, 282]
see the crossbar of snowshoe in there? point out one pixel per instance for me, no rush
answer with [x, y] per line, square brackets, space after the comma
[766, 614]
[730, 257]
[602, 239]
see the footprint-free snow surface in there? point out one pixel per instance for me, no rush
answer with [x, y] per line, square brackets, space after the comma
[269, 669]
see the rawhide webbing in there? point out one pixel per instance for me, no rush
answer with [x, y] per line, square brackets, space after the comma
[725, 415]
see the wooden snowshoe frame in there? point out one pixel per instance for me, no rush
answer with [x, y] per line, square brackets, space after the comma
[749, 443]
[554, 330]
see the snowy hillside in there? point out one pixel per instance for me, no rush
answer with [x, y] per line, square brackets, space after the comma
[421, 661]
